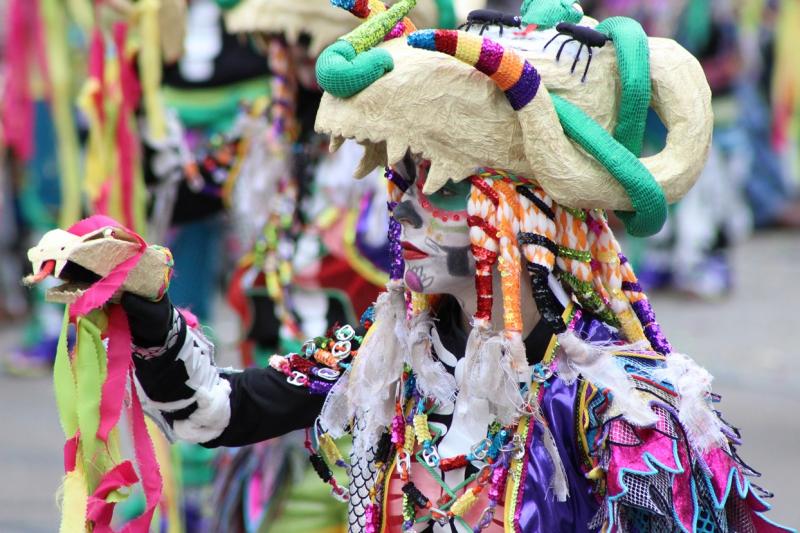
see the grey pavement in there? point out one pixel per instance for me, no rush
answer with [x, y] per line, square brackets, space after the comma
[748, 341]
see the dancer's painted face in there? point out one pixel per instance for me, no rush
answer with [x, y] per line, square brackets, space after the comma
[435, 235]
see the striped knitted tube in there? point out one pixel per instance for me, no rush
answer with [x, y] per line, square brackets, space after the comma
[372, 32]
[514, 75]
[366, 9]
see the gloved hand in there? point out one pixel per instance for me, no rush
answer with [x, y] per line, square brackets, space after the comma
[149, 321]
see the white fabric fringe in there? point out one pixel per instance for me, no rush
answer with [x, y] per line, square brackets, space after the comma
[595, 362]
[693, 385]
[559, 483]
[433, 379]
[489, 375]
[377, 368]
[211, 417]
[335, 416]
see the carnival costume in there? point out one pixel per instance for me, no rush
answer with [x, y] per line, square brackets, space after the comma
[586, 421]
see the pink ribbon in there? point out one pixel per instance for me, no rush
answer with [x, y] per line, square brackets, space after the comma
[126, 142]
[101, 511]
[120, 369]
[17, 112]
[71, 453]
[119, 362]
[100, 292]
[147, 463]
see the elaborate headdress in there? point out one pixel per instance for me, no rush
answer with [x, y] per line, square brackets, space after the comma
[535, 142]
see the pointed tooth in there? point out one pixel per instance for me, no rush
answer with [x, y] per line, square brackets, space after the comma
[336, 142]
[292, 34]
[395, 151]
[437, 177]
[364, 167]
[373, 157]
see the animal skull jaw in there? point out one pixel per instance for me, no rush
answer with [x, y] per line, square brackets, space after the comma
[81, 261]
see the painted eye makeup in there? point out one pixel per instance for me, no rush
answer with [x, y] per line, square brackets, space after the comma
[451, 197]
[449, 202]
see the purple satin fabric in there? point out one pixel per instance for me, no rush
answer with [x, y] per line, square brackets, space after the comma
[538, 511]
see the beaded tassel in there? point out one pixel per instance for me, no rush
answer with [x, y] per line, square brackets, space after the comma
[465, 502]
[421, 429]
[330, 451]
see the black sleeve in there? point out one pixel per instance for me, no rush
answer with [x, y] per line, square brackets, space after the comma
[264, 405]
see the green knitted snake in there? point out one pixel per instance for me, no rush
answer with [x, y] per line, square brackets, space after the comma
[633, 61]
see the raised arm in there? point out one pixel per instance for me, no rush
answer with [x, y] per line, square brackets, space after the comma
[194, 400]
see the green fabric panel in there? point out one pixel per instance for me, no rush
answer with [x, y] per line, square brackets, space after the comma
[64, 384]
[89, 358]
[648, 199]
[548, 13]
[214, 108]
[343, 73]
[633, 61]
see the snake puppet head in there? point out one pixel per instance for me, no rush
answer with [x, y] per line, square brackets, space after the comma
[83, 260]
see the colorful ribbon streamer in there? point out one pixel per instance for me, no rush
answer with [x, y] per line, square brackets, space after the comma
[90, 388]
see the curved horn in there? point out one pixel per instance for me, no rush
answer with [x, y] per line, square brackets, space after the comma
[547, 145]
[350, 65]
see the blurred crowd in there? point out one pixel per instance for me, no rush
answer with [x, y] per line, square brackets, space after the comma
[204, 141]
